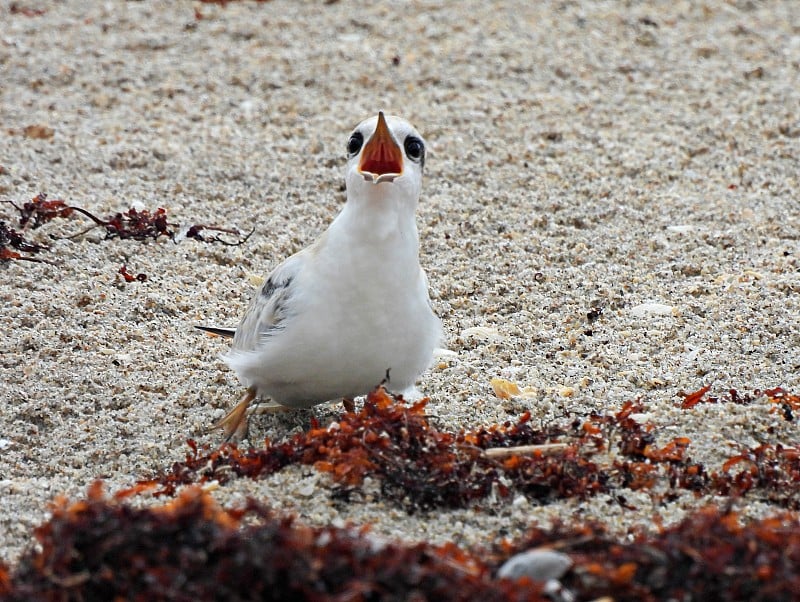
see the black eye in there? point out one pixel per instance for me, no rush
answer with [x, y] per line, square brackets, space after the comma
[355, 142]
[415, 149]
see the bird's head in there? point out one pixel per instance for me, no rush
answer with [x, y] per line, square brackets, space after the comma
[386, 156]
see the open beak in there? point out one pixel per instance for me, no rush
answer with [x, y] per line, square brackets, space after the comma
[382, 158]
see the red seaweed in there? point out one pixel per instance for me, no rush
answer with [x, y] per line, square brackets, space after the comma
[13, 244]
[133, 224]
[420, 467]
[191, 549]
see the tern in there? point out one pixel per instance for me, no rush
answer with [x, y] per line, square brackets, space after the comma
[352, 310]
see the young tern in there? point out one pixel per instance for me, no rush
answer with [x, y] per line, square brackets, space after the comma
[351, 310]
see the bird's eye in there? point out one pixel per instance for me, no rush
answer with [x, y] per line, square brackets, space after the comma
[415, 149]
[355, 143]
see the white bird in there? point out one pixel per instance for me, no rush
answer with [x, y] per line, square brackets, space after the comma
[352, 310]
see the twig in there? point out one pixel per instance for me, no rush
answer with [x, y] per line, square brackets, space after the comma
[545, 449]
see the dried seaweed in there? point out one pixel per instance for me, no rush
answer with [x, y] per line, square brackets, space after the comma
[128, 277]
[195, 230]
[40, 211]
[786, 403]
[690, 400]
[418, 466]
[13, 244]
[15, 9]
[131, 224]
[144, 225]
[709, 555]
[134, 224]
[190, 549]
[771, 469]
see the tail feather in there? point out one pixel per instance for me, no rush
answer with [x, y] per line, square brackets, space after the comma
[220, 332]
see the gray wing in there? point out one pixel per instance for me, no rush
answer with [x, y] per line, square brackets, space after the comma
[270, 307]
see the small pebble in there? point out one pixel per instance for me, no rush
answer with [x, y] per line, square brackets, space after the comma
[651, 309]
[539, 564]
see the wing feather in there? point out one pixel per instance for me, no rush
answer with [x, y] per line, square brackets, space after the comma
[270, 307]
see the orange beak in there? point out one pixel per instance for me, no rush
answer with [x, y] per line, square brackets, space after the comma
[382, 158]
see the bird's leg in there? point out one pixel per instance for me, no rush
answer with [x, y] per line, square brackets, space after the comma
[235, 422]
[349, 405]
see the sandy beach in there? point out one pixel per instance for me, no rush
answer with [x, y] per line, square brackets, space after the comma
[609, 212]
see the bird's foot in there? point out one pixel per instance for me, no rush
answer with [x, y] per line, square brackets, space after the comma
[269, 407]
[234, 424]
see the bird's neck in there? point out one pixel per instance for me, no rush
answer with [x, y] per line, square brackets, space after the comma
[380, 220]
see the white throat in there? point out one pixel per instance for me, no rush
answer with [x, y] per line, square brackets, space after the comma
[382, 213]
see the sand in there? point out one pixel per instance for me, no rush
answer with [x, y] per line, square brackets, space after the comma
[610, 212]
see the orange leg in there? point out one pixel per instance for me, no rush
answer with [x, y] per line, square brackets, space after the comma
[235, 422]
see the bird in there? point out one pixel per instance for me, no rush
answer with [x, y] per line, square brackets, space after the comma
[352, 310]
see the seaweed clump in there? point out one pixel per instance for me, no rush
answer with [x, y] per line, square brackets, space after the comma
[102, 548]
[421, 467]
[191, 549]
[418, 465]
[133, 224]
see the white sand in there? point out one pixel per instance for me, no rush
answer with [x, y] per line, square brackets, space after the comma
[582, 155]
